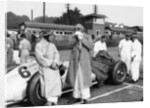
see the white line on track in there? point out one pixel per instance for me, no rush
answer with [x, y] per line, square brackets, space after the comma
[70, 90]
[135, 85]
[106, 94]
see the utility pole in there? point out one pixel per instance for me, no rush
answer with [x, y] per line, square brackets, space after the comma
[32, 15]
[68, 12]
[95, 11]
[44, 4]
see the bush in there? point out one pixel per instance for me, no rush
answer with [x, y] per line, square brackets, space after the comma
[112, 42]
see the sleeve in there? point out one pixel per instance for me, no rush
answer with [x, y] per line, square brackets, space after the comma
[42, 60]
[120, 46]
[87, 42]
[56, 55]
[20, 45]
[29, 46]
[96, 48]
[132, 51]
[105, 47]
[138, 51]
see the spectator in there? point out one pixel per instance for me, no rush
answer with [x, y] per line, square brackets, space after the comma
[9, 49]
[24, 48]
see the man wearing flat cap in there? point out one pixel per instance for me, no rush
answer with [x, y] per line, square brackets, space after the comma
[136, 58]
[125, 46]
[48, 58]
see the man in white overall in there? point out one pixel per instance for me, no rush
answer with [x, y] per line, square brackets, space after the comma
[136, 58]
[100, 45]
[125, 46]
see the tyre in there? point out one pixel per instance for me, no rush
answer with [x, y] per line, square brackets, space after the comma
[119, 72]
[34, 91]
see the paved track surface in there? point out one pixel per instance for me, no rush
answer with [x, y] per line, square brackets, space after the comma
[126, 92]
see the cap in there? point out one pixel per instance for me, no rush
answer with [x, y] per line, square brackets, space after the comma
[79, 26]
[45, 33]
[134, 35]
[129, 34]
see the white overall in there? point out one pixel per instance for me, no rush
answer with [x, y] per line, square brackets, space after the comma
[135, 65]
[125, 47]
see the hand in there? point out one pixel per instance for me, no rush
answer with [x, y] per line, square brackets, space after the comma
[132, 59]
[118, 55]
[80, 37]
[54, 66]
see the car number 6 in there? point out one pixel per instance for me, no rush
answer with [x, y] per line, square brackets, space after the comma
[24, 72]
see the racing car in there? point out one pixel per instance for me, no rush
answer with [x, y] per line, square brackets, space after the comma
[23, 81]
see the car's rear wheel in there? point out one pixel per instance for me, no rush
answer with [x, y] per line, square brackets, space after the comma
[34, 91]
[119, 72]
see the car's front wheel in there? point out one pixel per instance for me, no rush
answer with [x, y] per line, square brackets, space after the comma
[34, 91]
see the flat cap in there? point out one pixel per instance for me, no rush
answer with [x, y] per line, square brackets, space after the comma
[79, 26]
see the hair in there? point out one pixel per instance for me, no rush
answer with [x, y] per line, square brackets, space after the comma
[103, 36]
[46, 37]
[93, 36]
[23, 35]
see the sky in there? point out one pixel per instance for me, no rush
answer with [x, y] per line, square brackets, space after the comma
[130, 16]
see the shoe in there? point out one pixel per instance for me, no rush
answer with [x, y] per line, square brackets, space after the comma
[74, 101]
[48, 104]
[132, 81]
[84, 101]
[100, 83]
[54, 104]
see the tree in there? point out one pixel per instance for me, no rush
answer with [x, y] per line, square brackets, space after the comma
[47, 19]
[75, 17]
[14, 20]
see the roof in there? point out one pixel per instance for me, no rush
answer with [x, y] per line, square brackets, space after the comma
[125, 30]
[48, 26]
[138, 28]
[93, 15]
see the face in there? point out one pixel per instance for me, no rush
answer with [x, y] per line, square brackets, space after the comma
[133, 39]
[127, 37]
[38, 39]
[103, 40]
[51, 38]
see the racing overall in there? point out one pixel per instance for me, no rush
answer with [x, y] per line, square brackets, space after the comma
[125, 47]
[136, 55]
[46, 54]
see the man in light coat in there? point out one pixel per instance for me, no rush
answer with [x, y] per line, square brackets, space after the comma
[125, 46]
[79, 71]
[25, 48]
[48, 58]
[136, 58]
